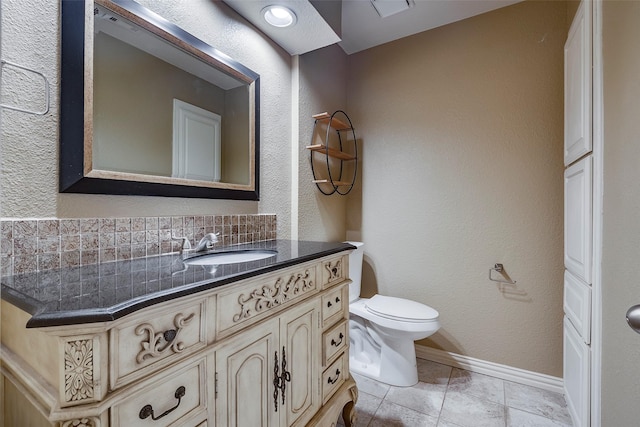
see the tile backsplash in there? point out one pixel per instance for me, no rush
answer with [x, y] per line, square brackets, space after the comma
[29, 245]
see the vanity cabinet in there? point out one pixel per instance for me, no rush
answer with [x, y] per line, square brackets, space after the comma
[270, 350]
[271, 381]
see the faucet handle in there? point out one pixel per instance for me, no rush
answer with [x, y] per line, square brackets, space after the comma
[211, 239]
[186, 244]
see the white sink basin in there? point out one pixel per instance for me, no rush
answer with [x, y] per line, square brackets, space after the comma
[230, 257]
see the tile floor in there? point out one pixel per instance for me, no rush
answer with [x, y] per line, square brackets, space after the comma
[452, 397]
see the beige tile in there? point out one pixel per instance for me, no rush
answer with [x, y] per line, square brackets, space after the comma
[518, 418]
[152, 223]
[123, 225]
[432, 372]
[164, 223]
[89, 225]
[48, 228]
[423, 397]
[471, 411]
[107, 225]
[392, 415]
[370, 386]
[69, 226]
[138, 224]
[445, 423]
[537, 401]
[70, 242]
[479, 385]
[25, 228]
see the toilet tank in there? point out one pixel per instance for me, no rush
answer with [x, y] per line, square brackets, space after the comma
[355, 270]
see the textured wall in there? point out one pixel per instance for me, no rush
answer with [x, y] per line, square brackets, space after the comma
[462, 131]
[322, 88]
[30, 36]
[621, 229]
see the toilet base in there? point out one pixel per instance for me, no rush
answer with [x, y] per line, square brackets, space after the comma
[389, 360]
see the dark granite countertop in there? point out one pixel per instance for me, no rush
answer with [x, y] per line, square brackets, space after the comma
[108, 291]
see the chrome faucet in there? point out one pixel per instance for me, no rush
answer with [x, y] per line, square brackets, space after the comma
[207, 242]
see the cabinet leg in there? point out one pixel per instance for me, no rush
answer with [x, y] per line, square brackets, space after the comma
[349, 413]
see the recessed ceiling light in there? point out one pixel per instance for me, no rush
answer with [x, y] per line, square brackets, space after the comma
[279, 16]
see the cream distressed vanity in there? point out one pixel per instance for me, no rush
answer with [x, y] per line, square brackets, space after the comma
[261, 344]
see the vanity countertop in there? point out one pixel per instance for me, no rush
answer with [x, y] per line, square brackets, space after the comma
[108, 291]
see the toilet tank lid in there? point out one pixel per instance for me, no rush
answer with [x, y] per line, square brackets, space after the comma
[400, 308]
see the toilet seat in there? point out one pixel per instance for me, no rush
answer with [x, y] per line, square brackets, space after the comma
[400, 309]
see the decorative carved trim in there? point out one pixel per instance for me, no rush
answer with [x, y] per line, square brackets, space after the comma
[335, 270]
[158, 343]
[82, 422]
[349, 414]
[268, 297]
[78, 370]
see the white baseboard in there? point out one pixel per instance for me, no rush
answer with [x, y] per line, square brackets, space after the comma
[516, 375]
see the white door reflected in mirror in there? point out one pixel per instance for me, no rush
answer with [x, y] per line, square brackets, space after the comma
[196, 142]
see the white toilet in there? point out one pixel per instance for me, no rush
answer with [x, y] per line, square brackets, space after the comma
[382, 331]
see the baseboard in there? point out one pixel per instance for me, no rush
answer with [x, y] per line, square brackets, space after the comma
[517, 375]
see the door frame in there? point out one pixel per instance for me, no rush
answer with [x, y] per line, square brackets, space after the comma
[598, 149]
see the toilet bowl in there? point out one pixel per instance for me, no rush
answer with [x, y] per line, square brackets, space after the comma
[382, 331]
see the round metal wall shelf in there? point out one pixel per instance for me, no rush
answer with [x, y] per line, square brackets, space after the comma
[334, 156]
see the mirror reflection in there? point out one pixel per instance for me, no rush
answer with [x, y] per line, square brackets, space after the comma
[155, 118]
[149, 109]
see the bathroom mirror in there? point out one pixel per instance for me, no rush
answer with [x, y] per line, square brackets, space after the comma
[149, 109]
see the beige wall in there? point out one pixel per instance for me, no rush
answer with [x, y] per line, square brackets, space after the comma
[29, 184]
[323, 88]
[462, 131]
[621, 227]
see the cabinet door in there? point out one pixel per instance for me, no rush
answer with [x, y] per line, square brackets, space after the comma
[577, 305]
[245, 368]
[576, 365]
[300, 347]
[577, 87]
[577, 219]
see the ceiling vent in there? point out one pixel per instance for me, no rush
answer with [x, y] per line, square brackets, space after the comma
[391, 7]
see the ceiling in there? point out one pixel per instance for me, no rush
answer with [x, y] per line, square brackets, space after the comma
[361, 26]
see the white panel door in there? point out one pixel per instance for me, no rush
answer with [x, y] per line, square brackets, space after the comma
[578, 231]
[577, 87]
[196, 142]
[576, 369]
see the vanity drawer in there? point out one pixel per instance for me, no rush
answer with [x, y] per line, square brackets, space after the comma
[156, 339]
[333, 377]
[334, 270]
[178, 400]
[241, 305]
[334, 341]
[335, 306]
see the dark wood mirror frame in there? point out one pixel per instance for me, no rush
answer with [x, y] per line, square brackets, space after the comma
[76, 126]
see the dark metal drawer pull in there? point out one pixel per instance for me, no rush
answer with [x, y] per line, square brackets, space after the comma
[337, 299]
[330, 381]
[286, 375]
[337, 344]
[276, 380]
[147, 410]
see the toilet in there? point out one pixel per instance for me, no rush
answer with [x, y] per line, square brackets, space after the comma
[382, 331]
